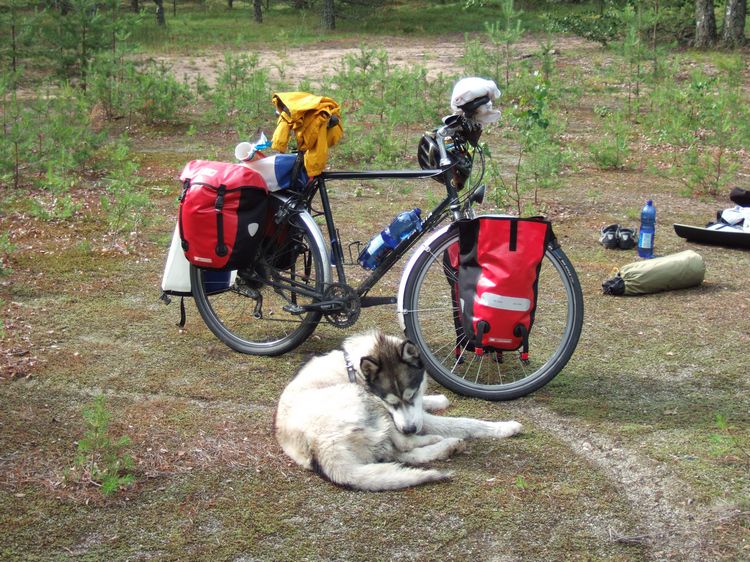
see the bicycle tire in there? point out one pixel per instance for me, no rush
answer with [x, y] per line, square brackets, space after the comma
[231, 313]
[427, 317]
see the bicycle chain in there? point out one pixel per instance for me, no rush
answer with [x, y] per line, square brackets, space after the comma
[350, 313]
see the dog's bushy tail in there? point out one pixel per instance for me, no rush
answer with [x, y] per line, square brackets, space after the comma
[377, 477]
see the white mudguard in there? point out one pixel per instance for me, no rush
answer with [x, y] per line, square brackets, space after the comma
[424, 247]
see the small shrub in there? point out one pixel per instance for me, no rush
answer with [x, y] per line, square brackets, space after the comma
[707, 118]
[497, 61]
[150, 93]
[372, 89]
[379, 103]
[123, 201]
[724, 442]
[67, 140]
[521, 483]
[15, 141]
[241, 95]
[612, 149]
[535, 128]
[58, 207]
[112, 87]
[375, 144]
[602, 28]
[49, 138]
[161, 97]
[100, 458]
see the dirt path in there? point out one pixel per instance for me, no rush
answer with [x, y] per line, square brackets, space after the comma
[672, 525]
[294, 64]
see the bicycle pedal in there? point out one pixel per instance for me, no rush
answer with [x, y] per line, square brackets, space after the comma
[294, 309]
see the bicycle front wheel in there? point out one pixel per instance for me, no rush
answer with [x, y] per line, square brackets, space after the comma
[261, 311]
[428, 313]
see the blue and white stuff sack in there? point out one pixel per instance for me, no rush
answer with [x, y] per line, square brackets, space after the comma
[277, 171]
[176, 278]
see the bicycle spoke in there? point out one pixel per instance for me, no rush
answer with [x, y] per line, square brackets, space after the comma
[435, 309]
[479, 369]
[440, 349]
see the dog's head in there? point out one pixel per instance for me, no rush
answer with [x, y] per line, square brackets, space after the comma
[394, 373]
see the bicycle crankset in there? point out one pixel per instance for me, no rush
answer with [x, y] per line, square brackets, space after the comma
[347, 313]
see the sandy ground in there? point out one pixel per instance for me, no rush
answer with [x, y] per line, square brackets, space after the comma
[295, 64]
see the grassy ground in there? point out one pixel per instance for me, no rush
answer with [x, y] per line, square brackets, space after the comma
[623, 456]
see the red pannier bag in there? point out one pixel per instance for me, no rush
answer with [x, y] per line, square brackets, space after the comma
[499, 259]
[222, 216]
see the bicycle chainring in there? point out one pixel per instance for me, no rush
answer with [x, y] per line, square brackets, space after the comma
[350, 313]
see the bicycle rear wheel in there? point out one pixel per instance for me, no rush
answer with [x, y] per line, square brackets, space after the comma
[428, 314]
[260, 312]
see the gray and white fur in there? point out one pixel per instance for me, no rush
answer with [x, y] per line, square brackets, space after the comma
[360, 435]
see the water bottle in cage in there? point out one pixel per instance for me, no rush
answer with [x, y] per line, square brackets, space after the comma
[401, 228]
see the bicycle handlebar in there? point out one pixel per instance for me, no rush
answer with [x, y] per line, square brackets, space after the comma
[460, 127]
[451, 124]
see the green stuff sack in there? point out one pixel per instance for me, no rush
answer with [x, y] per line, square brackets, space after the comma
[676, 271]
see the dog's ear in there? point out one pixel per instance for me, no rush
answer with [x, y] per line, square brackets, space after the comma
[369, 367]
[410, 354]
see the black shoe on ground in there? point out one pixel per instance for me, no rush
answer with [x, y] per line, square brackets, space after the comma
[626, 238]
[608, 239]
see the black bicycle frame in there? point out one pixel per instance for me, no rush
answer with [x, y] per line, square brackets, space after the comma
[337, 252]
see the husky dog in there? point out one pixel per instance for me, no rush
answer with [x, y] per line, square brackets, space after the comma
[354, 415]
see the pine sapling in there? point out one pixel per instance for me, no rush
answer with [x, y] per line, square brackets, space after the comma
[101, 459]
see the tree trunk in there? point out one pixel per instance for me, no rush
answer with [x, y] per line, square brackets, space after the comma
[258, 10]
[160, 19]
[329, 15]
[230, 4]
[13, 49]
[733, 32]
[705, 24]
[135, 5]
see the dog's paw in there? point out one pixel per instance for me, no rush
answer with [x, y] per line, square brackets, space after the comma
[434, 402]
[506, 429]
[454, 445]
[438, 475]
[426, 440]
